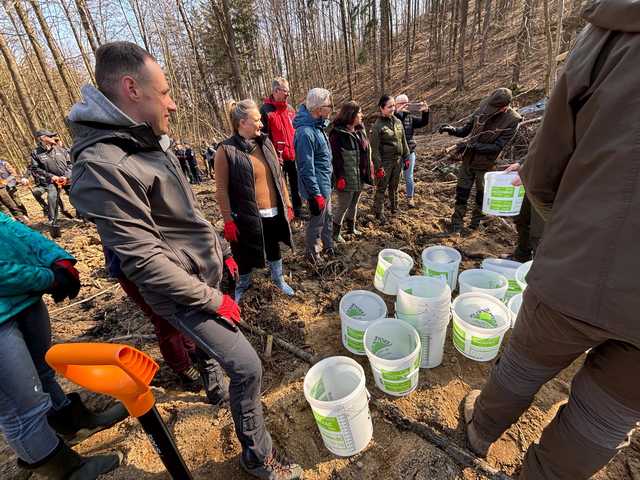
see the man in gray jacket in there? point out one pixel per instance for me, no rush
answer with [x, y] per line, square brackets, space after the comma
[127, 180]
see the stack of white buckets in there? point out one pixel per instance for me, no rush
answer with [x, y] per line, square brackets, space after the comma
[398, 347]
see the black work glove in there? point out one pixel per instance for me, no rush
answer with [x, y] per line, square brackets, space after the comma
[446, 129]
[66, 281]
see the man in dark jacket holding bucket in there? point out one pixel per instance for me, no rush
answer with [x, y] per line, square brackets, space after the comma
[489, 129]
[582, 173]
[127, 181]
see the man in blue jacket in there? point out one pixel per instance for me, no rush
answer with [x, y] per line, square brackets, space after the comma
[313, 159]
[37, 419]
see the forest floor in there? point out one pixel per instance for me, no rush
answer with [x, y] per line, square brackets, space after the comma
[310, 320]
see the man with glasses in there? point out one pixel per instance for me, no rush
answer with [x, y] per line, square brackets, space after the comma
[313, 158]
[277, 122]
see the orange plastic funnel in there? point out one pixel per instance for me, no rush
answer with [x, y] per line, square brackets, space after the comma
[112, 369]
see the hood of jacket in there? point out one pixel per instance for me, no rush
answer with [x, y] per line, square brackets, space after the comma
[618, 15]
[95, 118]
[278, 105]
[304, 118]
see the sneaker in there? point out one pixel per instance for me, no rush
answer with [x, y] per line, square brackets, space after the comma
[476, 443]
[275, 467]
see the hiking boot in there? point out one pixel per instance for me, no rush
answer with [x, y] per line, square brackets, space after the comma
[411, 203]
[275, 467]
[336, 233]
[350, 227]
[476, 443]
[278, 277]
[75, 422]
[66, 464]
[242, 286]
[54, 230]
[476, 217]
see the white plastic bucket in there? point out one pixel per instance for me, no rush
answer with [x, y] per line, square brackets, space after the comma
[432, 338]
[501, 198]
[508, 269]
[358, 309]
[521, 274]
[393, 348]
[479, 324]
[335, 390]
[514, 307]
[442, 262]
[393, 267]
[429, 299]
[483, 281]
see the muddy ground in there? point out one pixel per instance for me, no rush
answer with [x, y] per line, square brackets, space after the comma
[311, 321]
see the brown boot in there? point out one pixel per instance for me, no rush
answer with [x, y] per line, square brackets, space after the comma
[476, 443]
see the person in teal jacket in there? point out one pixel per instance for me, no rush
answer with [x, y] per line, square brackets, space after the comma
[36, 416]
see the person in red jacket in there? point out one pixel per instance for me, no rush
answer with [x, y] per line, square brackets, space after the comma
[277, 117]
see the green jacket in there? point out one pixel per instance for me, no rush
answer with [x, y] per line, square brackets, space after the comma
[388, 142]
[25, 260]
[351, 156]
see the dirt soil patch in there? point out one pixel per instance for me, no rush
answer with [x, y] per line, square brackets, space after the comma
[311, 321]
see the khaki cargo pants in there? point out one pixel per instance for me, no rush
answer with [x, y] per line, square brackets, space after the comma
[603, 407]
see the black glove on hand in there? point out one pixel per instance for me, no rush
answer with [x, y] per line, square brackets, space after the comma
[66, 281]
[446, 129]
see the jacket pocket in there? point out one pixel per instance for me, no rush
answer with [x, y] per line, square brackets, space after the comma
[194, 266]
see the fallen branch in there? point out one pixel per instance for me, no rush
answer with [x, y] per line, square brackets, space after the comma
[137, 336]
[460, 455]
[289, 347]
[106, 290]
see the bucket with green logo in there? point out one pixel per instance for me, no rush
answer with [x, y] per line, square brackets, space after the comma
[479, 324]
[358, 309]
[393, 348]
[501, 197]
[440, 261]
[335, 390]
[393, 266]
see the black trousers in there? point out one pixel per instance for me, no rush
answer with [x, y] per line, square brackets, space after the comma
[291, 172]
[271, 246]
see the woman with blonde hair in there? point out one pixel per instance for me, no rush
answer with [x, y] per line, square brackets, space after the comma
[253, 197]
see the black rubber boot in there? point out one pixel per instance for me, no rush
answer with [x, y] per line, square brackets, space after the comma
[350, 227]
[75, 422]
[66, 464]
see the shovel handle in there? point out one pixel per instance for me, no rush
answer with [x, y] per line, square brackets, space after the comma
[117, 370]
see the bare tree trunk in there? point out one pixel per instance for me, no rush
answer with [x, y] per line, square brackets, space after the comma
[345, 37]
[37, 48]
[23, 96]
[76, 35]
[486, 30]
[233, 50]
[464, 10]
[87, 24]
[26, 140]
[552, 50]
[522, 42]
[407, 46]
[55, 51]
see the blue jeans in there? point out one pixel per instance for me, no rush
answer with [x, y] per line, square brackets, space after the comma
[28, 387]
[408, 175]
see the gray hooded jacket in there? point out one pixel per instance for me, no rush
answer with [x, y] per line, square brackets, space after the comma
[128, 182]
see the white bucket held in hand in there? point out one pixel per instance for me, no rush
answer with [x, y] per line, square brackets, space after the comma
[393, 267]
[358, 309]
[508, 269]
[441, 262]
[479, 324]
[335, 390]
[393, 349]
[501, 198]
[483, 281]
[521, 274]
[514, 307]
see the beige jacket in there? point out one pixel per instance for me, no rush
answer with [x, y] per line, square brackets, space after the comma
[585, 163]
